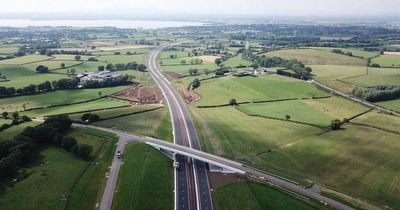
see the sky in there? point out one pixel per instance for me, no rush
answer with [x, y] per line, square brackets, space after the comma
[205, 7]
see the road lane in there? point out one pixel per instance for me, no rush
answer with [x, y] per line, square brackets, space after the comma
[199, 196]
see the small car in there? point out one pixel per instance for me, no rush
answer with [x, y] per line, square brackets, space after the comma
[119, 155]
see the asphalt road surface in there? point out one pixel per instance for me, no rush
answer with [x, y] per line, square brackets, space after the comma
[192, 190]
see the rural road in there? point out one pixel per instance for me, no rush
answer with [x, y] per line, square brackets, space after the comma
[192, 190]
[209, 158]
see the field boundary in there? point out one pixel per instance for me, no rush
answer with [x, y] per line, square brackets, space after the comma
[275, 118]
[375, 127]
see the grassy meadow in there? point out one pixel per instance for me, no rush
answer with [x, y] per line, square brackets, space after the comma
[247, 195]
[244, 89]
[49, 186]
[145, 180]
[317, 57]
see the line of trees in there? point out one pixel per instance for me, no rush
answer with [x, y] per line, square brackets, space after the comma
[123, 66]
[299, 69]
[22, 149]
[63, 84]
[16, 120]
[378, 93]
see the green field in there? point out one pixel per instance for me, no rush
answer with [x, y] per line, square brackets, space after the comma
[387, 60]
[114, 59]
[154, 123]
[236, 61]
[34, 78]
[52, 64]
[318, 111]
[145, 180]
[54, 98]
[82, 107]
[104, 114]
[346, 160]
[15, 130]
[317, 57]
[89, 190]
[379, 120]
[392, 104]
[355, 52]
[26, 59]
[48, 186]
[345, 78]
[247, 195]
[268, 87]
[6, 50]
[166, 54]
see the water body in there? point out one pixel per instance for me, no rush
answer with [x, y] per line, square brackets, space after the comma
[145, 24]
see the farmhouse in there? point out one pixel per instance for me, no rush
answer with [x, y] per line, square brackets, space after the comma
[100, 76]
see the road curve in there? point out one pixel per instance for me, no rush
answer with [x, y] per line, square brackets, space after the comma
[192, 189]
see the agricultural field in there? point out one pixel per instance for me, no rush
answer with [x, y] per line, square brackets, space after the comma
[165, 55]
[392, 104]
[387, 60]
[115, 59]
[317, 57]
[379, 120]
[49, 186]
[136, 188]
[82, 107]
[236, 61]
[54, 98]
[245, 89]
[247, 195]
[6, 50]
[313, 111]
[52, 64]
[13, 131]
[345, 78]
[155, 123]
[355, 52]
[25, 59]
[344, 160]
[109, 113]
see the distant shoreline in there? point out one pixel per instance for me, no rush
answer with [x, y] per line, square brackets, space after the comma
[130, 24]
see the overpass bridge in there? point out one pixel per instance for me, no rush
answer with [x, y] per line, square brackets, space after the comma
[223, 163]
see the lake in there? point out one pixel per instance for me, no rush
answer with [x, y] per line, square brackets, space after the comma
[145, 24]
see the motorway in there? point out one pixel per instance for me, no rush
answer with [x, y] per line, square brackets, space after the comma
[192, 190]
[222, 162]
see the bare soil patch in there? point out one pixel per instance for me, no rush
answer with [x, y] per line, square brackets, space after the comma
[190, 96]
[142, 95]
[218, 180]
[173, 75]
[391, 53]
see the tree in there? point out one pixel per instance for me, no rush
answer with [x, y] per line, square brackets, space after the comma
[335, 124]
[89, 117]
[287, 117]
[195, 83]
[61, 122]
[42, 69]
[77, 57]
[141, 67]
[15, 115]
[68, 143]
[183, 62]
[72, 71]
[110, 67]
[218, 61]
[62, 65]
[5, 115]
[100, 68]
[232, 102]
[161, 63]
[99, 93]
[83, 150]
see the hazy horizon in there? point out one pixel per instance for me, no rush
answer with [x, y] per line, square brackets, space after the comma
[177, 8]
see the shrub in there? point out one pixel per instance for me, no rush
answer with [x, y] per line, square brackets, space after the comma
[232, 102]
[335, 124]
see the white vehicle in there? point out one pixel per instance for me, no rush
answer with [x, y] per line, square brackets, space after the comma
[176, 164]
